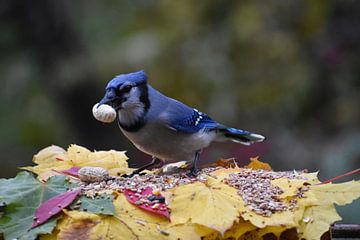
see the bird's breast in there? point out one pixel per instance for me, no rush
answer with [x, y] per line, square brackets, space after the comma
[169, 145]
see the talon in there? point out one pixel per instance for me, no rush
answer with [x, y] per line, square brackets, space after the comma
[127, 175]
[194, 172]
[133, 174]
[191, 174]
[138, 171]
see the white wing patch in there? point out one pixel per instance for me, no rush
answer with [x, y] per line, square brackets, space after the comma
[198, 119]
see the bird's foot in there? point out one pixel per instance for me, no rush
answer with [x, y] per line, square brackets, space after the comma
[155, 161]
[133, 174]
[194, 172]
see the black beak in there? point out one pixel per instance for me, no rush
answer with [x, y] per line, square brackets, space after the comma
[111, 99]
[105, 100]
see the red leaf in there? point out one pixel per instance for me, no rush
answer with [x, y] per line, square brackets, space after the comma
[73, 171]
[153, 207]
[53, 206]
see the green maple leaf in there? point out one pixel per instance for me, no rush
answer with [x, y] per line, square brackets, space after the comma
[22, 195]
[101, 205]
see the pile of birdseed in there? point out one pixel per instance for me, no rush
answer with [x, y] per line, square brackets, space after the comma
[137, 183]
[255, 188]
[137, 188]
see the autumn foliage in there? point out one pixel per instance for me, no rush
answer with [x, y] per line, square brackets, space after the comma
[216, 205]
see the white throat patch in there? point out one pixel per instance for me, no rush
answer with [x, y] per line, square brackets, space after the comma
[130, 116]
[132, 110]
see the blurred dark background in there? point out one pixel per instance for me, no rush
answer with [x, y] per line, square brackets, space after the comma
[287, 69]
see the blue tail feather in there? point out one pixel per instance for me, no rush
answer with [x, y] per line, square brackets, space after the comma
[242, 136]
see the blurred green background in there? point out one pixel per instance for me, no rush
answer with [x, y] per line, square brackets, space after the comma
[287, 69]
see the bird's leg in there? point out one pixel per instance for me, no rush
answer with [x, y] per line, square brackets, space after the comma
[194, 168]
[154, 162]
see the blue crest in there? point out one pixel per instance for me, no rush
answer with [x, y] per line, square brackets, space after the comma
[135, 77]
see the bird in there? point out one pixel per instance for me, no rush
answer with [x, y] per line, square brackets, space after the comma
[162, 127]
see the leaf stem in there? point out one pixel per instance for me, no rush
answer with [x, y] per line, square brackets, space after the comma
[341, 176]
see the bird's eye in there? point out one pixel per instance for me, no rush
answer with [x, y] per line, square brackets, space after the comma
[126, 89]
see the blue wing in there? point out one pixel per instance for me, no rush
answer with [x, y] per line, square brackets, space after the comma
[194, 122]
[189, 120]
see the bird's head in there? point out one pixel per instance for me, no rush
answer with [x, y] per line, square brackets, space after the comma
[127, 92]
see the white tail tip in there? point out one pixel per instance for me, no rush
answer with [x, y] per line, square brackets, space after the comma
[257, 137]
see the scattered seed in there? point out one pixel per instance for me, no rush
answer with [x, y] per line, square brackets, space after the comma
[156, 192]
[142, 223]
[163, 232]
[155, 206]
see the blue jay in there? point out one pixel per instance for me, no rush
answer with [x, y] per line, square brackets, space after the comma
[162, 127]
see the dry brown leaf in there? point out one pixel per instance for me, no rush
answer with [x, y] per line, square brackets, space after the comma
[225, 163]
[255, 164]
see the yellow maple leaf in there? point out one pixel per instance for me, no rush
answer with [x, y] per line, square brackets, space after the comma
[150, 226]
[81, 156]
[289, 186]
[82, 225]
[145, 224]
[312, 178]
[185, 231]
[255, 164]
[238, 229]
[129, 222]
[223, 173]
[235, 232]
[54, 159]
[340, 193]
[317, 220]
[206, 209]
[211, 204]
